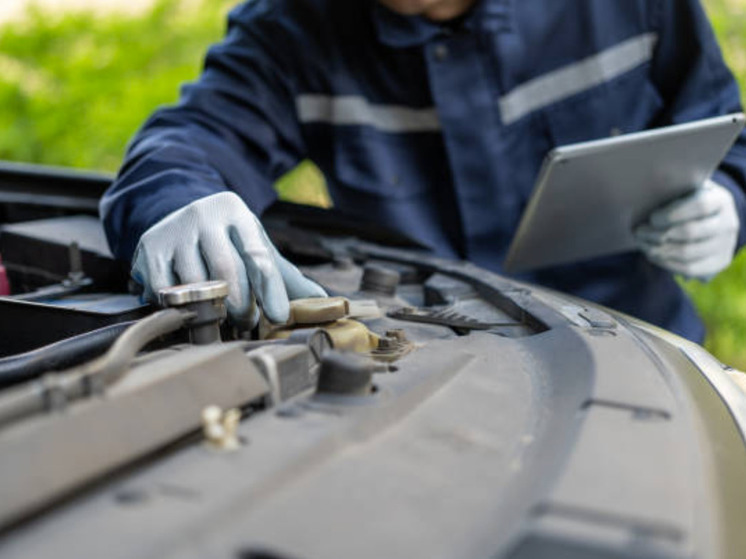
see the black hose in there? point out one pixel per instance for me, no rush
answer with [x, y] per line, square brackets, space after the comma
[59, 355]
[114, 364]
[93, 376]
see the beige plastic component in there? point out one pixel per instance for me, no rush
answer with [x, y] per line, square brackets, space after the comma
[364, 309]
[331, 314]
[220, 428]
[318, 310]
[346, 335]
[351, 335]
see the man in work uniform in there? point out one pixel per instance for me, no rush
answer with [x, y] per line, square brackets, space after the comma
[432, 117]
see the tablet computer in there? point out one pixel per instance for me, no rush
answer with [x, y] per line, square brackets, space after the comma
[590, 196]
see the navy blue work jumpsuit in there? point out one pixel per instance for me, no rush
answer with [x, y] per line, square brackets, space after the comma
[436, 130]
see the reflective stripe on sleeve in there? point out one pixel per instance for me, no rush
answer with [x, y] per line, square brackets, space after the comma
[353, 110]
[575, 78]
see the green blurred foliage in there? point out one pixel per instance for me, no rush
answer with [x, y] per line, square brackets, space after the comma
[722, 302]
[74, 88]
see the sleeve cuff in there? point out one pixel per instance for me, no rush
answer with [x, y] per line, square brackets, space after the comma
[126, 219]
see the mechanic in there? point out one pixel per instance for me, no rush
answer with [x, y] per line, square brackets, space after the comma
[431, 117]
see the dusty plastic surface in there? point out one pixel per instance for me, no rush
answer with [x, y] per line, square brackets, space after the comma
[573, 434]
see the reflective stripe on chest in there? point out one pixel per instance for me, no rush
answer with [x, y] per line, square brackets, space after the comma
[575, 78]
[531, 96]
[350, 110]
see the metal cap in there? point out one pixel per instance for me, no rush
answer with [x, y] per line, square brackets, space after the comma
[180, 295]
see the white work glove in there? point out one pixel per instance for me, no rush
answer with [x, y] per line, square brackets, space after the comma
[694, 236]
[218, 237]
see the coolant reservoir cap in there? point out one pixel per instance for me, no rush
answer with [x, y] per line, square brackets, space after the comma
[180, 295]
[318, 310]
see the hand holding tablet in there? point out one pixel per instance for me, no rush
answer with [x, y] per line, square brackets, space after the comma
[694, 236]
[591, 196]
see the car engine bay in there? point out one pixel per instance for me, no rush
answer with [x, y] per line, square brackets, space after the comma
[426, 408]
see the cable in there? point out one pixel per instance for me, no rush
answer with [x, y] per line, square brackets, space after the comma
[53, 391]
[59, 355]
[113, 365]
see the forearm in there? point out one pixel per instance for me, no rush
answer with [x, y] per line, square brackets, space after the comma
[168, 167]
[234, 129]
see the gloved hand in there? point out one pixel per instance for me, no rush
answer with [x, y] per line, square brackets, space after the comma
[695, 235]
[218, 237]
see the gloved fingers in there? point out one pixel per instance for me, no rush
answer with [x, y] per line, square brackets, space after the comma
[189, 266]
[139, 270]
[703, 269]
[258, 258]
[701, 203]
[255, 313]
[689, 231]
[153, 272]
[224, 263]
[297, 285]
[648, 235]
[685, 253]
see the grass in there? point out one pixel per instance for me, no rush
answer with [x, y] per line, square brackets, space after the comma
[74, 88]
[722, 302]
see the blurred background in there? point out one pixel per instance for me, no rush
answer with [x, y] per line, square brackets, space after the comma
[77, 77]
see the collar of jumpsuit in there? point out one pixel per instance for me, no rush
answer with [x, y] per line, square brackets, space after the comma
[494, 152]
[399, 31]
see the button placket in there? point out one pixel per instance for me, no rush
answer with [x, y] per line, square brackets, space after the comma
[468, 118]
[441, 52]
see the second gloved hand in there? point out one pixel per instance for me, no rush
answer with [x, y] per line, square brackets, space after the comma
[694, 236]
[218, 237]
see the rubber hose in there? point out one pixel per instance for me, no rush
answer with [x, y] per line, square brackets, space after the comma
[115, 362]
[59, 355]
[33, 397]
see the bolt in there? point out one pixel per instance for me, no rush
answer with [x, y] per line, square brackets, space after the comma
[399, 335]
[381, 280]
[387, 343]
[206, 300]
